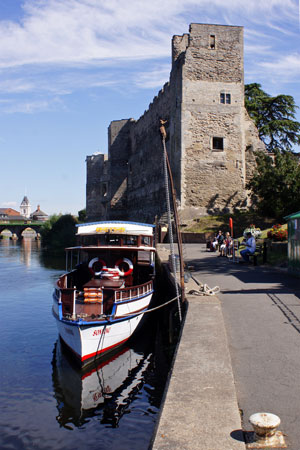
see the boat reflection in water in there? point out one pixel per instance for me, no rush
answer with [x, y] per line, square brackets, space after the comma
[103, 389]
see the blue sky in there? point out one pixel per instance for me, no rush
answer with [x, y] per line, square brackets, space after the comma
[69, 67]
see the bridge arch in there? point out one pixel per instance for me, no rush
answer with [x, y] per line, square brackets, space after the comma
[6, 233]
[19, 230]
[29, 232]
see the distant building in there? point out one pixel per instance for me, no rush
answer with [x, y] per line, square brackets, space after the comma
[39, 215]
[25, 207]
[10, 215]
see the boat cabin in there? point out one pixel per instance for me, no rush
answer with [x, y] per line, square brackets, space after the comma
[113, 262]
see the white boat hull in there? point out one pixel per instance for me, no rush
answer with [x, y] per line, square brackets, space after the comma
[90, 341]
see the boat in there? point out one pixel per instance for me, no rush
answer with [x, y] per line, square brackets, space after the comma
[100, 300]
[104, 388]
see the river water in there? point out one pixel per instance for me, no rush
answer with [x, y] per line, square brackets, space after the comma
[46, 402]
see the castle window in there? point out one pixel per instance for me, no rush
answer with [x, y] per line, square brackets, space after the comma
[218, 143]
[225, 98]
[104, 189]
[212, 41]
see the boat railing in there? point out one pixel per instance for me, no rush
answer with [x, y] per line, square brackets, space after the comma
[67, 296]
[133, 292]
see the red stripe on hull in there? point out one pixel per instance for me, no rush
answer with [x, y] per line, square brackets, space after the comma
[104, 363]
[91, 356]
[98, 353]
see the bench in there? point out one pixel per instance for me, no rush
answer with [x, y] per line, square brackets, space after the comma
[261, 250]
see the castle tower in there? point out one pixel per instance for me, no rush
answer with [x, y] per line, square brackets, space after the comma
[212, 118]
[97, 184]
[210, 138]
[25, 207]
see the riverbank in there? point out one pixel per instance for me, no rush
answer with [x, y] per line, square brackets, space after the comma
[200, 410]
[261, 319]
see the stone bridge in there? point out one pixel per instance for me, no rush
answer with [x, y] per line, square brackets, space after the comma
[20, 230]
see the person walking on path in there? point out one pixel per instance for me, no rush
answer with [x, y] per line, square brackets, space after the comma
[250, 247]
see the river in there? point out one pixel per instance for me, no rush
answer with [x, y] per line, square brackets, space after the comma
[46, 402]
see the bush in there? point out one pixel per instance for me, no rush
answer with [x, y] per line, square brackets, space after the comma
[256, 232]
[277, 233]
[59, 232]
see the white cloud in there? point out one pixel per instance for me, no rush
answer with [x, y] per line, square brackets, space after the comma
[82, 31]
[286, 68]
[31, 106]
[9, 205]
[59, 47]
[156, 77]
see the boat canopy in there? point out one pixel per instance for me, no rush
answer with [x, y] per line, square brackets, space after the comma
[115, 227]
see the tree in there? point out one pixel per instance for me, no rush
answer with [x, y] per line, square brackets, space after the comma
[274, 117]
[275, 185]
[59, 232]
[82, 215]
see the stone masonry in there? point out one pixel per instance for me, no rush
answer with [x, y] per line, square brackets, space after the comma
[210, 138]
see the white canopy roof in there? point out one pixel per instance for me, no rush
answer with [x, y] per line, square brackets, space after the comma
[116, 227]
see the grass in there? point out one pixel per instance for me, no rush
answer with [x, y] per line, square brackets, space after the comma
[276, 256]
[241, 220]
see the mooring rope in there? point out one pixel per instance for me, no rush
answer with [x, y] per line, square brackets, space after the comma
[152, 309]
[204, 289]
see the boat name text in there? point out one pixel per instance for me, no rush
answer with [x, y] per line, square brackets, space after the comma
[101, 331]
[110, 230]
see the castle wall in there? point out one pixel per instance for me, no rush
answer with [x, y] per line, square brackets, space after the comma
[96, 186]
[119, 149]
[210, 138]
[214, 178]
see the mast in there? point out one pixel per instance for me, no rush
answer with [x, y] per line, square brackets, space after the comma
[176, 217]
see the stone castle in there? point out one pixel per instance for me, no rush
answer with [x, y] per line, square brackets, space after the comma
[210, 138]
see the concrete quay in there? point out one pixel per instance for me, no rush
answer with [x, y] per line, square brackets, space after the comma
[200, 410]
[239, 354]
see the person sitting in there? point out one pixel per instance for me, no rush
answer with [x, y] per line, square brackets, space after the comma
[250, 247]
[214, 244]
[218, 240]
[229, 246]
[226, 245]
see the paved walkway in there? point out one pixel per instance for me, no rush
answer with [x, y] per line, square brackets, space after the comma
[261, 310]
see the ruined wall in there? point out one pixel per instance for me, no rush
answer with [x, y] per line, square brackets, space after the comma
[97, 183]
[119, 149]
[146, 194]
[211, 140]
[252, 145]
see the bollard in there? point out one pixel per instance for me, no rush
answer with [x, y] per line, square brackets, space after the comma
[265, 432]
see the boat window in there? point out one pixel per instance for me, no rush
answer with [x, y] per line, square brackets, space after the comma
[113, 239]
[144, 257]
[146, 241]
[130, 240]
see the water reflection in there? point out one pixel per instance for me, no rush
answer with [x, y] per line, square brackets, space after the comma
[28, 245]
[104, 389]
[48, 406]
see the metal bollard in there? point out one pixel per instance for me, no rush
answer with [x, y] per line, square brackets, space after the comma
[265, 432]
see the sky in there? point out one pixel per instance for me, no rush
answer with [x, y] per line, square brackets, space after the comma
[70, 67]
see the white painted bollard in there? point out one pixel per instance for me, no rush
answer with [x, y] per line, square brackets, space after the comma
[265, 431]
